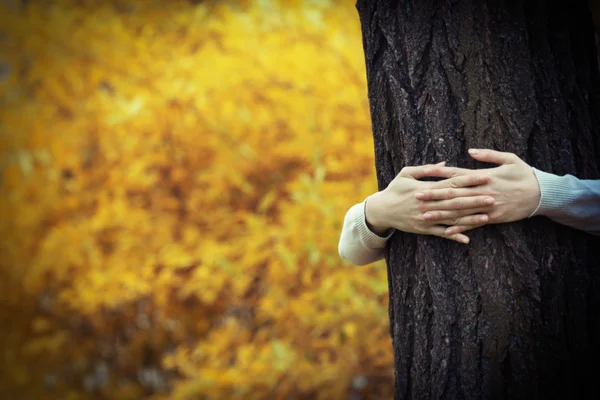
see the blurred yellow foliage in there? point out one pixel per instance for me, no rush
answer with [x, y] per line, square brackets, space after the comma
[174, 178]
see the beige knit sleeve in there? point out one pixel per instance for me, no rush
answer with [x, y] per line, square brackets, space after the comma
[358, 245]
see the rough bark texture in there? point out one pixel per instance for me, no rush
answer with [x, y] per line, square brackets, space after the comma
[516, 313]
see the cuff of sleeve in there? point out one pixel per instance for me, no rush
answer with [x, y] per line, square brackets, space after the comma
[555, 196]
[369, 238]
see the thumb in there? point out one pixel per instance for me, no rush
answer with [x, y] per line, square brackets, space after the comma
[493, 156]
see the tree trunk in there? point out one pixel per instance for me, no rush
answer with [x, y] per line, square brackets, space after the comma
[515, 314]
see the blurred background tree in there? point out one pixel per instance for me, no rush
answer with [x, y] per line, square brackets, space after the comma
[174, 177]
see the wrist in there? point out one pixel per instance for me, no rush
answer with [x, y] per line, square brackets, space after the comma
[374, 217]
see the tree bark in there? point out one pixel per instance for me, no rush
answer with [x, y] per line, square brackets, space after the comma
[515, 314]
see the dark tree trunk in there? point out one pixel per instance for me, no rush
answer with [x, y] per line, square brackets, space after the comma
[516, 313]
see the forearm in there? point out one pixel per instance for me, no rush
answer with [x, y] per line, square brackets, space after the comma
[570, 201]
[358, 245]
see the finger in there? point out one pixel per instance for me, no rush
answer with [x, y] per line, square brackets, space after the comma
[418, 172]
[438, 230]
[447, 216]
[459, 203]
[469, 220]
[462, 181]
[458, 229]
[445, 194]
[446, 172]
[493, 156]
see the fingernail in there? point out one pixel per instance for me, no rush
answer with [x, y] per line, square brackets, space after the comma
[474, 151]
[465, 240]
[489, 201]
[427, 215]
[420, 195]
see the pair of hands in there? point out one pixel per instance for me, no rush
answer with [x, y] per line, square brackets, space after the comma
[466, 199]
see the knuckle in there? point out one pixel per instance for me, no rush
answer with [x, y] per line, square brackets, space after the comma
[450, 193]
[470, 221]
[406, 170]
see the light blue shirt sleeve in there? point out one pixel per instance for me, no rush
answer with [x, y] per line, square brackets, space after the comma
[569, 201]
